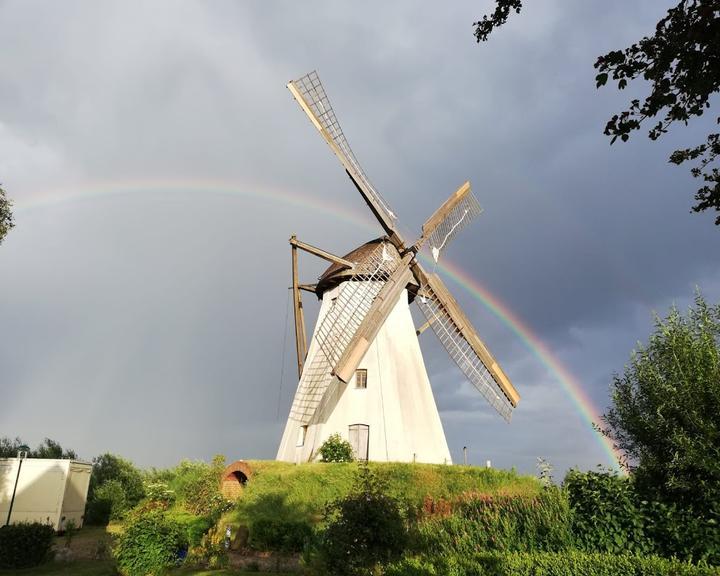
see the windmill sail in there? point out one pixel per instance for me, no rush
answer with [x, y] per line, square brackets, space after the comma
[465, 347]
[454, 215]
[311, 96]
[335, 332]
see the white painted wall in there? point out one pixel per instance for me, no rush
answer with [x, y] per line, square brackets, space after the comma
[48, 491]
[397, 405]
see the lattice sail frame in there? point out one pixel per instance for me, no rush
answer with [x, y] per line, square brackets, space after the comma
[460, 350]
[338, 326]
[459, 217]
[312, 91]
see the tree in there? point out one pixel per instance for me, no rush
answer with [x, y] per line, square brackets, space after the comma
[6, 217]
[46, 449]
[109, 467]
[664, 414]
[681, 61]
[50, 449]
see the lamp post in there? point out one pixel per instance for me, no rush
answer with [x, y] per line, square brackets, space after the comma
[22, 454]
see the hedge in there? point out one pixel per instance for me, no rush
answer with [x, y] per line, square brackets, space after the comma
[569, 563]
[25, 544]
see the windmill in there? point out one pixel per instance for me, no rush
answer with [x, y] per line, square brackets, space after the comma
[363, 375]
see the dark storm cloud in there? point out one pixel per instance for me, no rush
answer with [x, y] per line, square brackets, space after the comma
[162, 317]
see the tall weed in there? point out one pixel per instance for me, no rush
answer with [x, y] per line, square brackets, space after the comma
[477, 522]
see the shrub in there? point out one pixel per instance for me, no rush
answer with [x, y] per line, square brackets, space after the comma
[110, 498]
[198, 486]
[25, 544]
[109, 467]
[150, 544]
[504, 523]
[568, 563]
[197, 528]
[116, 486]
[159, 492]
[684, 533]
[607, 515]
[280, 535]
[211, 551]
[365, 529]
[335, 449]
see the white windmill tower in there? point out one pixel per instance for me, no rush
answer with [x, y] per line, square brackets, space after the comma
[363, 375]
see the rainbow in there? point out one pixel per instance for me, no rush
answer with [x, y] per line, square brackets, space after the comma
[571, 386]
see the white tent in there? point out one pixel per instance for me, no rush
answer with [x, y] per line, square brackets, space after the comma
[46, 490]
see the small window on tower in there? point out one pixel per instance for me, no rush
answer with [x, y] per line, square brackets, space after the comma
[302, 432]
[361, 378]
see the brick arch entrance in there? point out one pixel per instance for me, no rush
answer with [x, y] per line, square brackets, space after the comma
[234, 478]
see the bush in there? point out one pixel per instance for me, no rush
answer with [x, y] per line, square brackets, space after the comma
[116, 486]
[365, 529]
[280, 536]
[150, 544]
[335, 449]
[610, 516]
[111, 497]
[159, 492]
[504, 523]
[109, 467]
[25, 544]
[197, 485]
[607, 516]
[684, 533]
[569, 563]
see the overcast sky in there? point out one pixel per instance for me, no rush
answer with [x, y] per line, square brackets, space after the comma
[158, 166]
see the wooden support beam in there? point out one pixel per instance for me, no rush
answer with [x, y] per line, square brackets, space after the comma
[324, 254]
[423, 328]
[300, 338]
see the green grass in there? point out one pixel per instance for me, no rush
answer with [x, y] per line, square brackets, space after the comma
[107, 568]
[300, 492]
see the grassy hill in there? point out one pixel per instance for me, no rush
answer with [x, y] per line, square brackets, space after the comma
[300, 492]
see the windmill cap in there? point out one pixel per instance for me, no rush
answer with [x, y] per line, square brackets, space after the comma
[336, 273]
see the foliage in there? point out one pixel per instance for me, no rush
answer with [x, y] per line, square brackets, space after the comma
[681, 532]
[109, 503]
[69, 531]
[610, 516]
[159, 492]
[149, 544]
[607, 515]
[300, 492]
[25, 544]
[505, 523]
[567, 563]
[497, 18]
[665, 407]
[280, 535]
[116, 486]
[48, 448]
[211, 551]
[681, 62]
[365, 529]
[6, 217]
[335, 449]
[199, 488]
